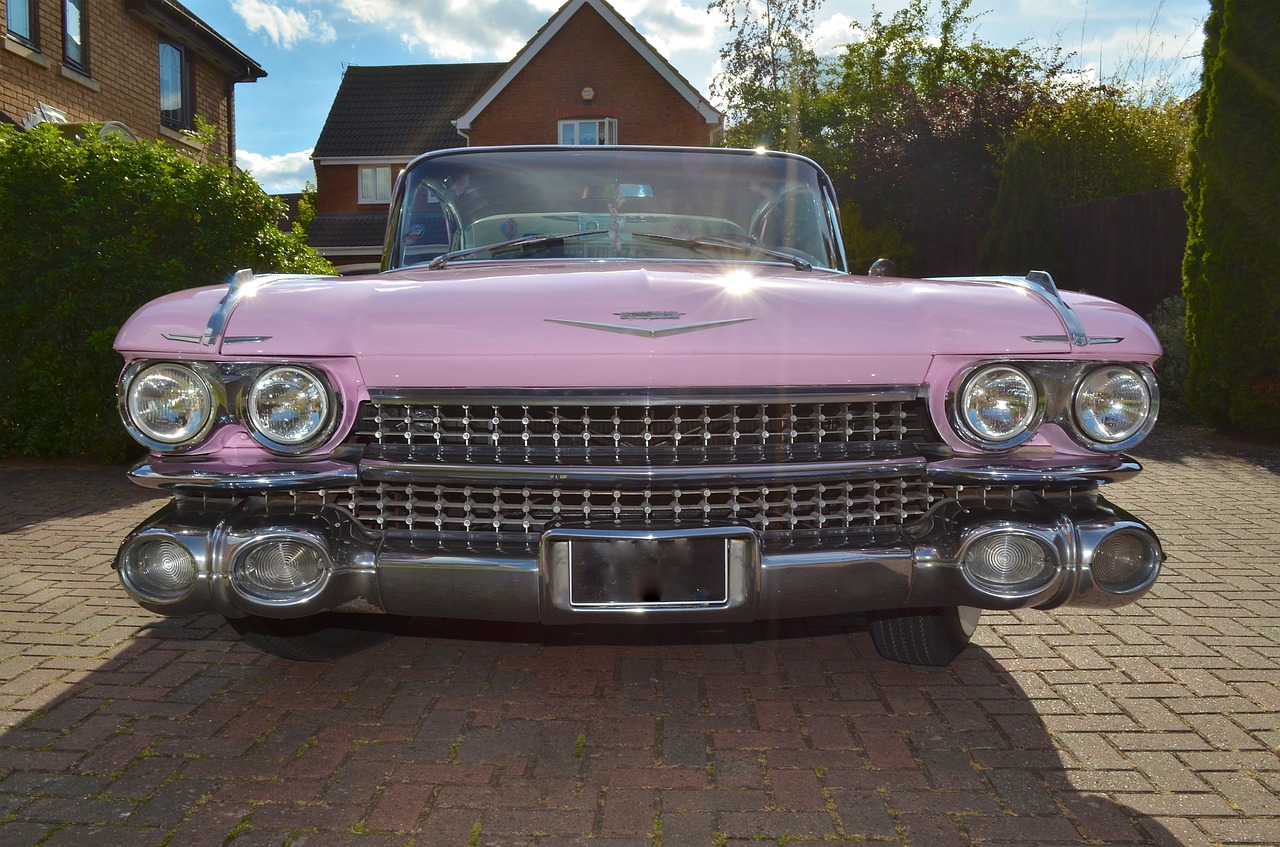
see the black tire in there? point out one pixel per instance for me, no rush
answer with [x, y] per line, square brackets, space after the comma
[319, 638]
[931, 637]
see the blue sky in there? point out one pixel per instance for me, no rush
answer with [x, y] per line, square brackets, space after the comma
[304, 45]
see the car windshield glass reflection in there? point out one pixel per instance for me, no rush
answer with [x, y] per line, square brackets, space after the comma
[613, 203]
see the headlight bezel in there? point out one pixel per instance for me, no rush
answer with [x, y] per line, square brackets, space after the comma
[259, 431]
[206, 378]
[1058, 383]
[966, 426]
[1134, 434]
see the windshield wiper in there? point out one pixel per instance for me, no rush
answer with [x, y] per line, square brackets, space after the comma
[732, 245]
[514, 244]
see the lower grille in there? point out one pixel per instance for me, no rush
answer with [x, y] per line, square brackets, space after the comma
[509, 513]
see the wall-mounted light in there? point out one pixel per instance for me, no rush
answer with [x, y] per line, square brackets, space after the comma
[588, 94]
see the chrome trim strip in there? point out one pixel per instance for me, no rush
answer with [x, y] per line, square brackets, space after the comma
[218, 320]
[648, 332]
[482, 475]
[640, 396]
[323, 476]
[1063, 339]
[1030, 472]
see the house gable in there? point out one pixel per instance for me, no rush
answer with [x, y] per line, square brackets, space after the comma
[625, 74]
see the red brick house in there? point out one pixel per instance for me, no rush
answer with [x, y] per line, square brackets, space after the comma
[587, 77]
[149, 65]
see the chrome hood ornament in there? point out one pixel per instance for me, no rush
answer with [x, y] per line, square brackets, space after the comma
[648, 332]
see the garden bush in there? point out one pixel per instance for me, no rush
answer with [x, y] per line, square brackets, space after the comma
[90, 229]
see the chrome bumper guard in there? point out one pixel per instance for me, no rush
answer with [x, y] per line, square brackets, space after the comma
[658, 574]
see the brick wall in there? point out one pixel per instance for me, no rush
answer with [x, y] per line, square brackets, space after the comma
[338, 189]
[123, 83]
[587, 52]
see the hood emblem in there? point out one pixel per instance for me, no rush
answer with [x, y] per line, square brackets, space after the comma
[648, 332]
[649, 316]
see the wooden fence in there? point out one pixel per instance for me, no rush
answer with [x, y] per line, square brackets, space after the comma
[1128, 249]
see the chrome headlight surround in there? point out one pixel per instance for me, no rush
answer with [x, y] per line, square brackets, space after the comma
[188, 396]
[1114, 406]
[998, 405]
[290, 409]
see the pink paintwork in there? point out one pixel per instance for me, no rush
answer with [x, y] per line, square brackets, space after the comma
[490, 325]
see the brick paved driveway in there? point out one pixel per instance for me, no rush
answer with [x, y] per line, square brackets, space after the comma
[1151, 724]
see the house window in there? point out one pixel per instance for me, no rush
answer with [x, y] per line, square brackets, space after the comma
[20, 21]
[175, 86]
[600, 131]
[75, 32]
[375, 184]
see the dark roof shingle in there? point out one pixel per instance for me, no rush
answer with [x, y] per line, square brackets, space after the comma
[358, 230]
[401, 110]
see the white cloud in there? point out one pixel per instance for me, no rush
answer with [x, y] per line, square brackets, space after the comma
[453, 30]
[673, 26]
[284, 26]
[282, 174]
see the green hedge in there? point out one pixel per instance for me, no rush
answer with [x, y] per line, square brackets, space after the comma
[91, 229]
[1231, 272]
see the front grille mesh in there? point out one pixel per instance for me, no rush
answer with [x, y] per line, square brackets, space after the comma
[778, 427]
[605, 426]
[507, 512]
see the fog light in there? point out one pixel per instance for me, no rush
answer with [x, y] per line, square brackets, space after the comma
[1009, 560]
[1124, 561]
[281, 566]
[161, 570]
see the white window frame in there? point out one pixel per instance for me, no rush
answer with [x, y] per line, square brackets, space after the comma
[374, 184]
[598, 130]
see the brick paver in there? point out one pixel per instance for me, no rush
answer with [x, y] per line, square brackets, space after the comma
[1151, 724]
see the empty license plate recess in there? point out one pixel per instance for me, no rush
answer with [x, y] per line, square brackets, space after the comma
[709, 570]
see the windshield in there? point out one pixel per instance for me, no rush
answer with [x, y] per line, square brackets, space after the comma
[628, 203]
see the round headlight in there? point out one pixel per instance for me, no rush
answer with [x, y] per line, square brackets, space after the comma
[289, 407]
[1112, 404]
[998, 404]
[169, 404]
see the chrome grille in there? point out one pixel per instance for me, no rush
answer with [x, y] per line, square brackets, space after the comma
[509, 512]
[693, 422]
[432, 439]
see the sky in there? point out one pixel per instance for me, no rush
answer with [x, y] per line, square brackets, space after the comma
[305, 45]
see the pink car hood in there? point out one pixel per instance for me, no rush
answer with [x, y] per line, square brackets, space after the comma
[535, 324]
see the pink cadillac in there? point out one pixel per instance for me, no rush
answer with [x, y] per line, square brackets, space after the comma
[631, 385]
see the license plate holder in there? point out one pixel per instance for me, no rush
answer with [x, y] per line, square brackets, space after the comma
[700, 570]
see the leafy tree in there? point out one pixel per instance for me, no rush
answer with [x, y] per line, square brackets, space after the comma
[306, 209]
[770, 75]
[90, 229]
[919, 110]
[1092, 144]
[1230, 275]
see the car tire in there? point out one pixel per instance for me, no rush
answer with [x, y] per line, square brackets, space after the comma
[319, 638]
[931, 637]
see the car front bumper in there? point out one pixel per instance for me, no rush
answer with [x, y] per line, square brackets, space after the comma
[1029, 552]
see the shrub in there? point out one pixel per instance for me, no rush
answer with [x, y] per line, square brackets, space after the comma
[1230, 275]
[1169, 320]
[91, 229]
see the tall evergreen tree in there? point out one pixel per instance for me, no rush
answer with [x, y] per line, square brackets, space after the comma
[1231, 275]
